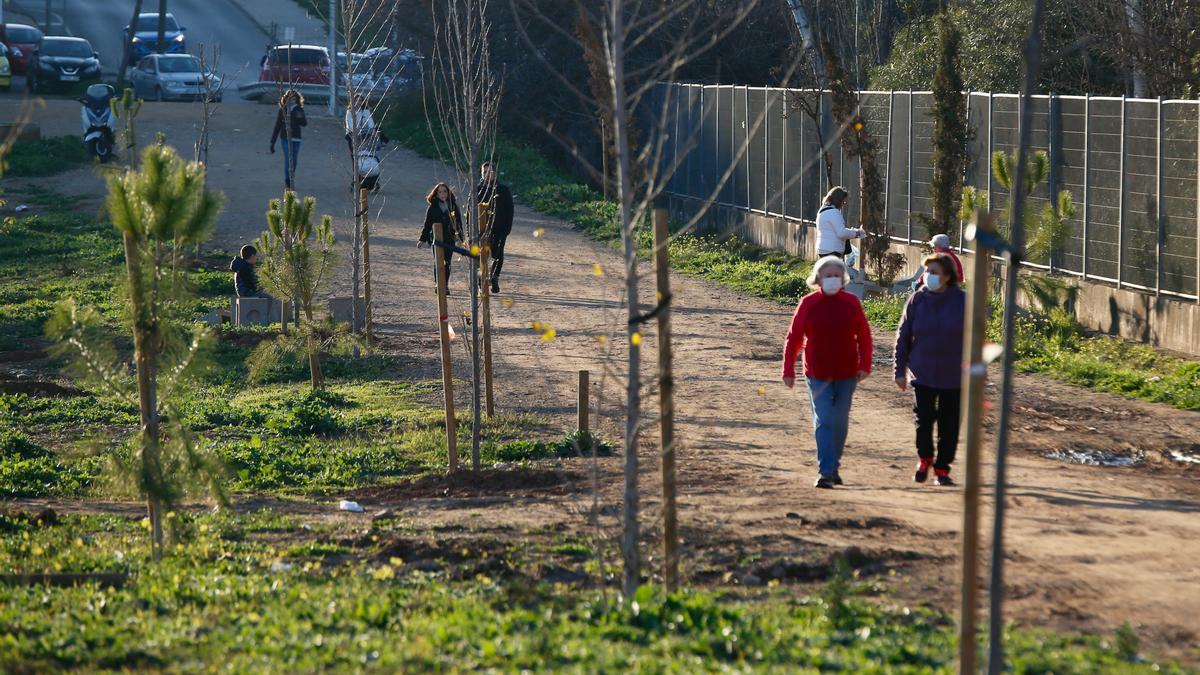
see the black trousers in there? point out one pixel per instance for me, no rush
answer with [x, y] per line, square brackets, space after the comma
[940, 406]
[449, 255]
[496, 251]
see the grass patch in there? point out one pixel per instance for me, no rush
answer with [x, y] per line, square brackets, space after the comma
[44, 157]
[223, 596]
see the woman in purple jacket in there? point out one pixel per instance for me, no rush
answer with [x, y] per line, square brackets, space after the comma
[929, 347]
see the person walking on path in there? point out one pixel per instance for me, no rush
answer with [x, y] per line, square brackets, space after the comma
[443, 208]
[364, 139]
[830, 328]
[929, 349]
[500, 204]
[289, 120]
[833, 237]
[941, 246]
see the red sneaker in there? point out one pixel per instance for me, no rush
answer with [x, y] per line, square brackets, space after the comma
[922, 470]
[943, 478]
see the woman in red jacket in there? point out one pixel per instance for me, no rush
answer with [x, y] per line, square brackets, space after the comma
[831, 330]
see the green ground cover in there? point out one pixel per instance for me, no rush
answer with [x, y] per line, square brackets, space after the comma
[274, 434]
[269, 593]
[44, 157]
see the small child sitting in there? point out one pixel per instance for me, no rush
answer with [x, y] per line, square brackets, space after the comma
[245, 280]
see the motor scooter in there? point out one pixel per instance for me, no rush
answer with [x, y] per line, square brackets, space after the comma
[99, 125]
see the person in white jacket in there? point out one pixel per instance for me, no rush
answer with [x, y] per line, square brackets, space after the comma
[833, 237]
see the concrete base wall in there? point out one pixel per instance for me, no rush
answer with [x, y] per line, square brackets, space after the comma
[1162, 322]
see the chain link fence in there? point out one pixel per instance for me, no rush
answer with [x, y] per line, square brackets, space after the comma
[1130, 164]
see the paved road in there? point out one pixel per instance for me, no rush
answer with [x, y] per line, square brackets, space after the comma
[215, 23]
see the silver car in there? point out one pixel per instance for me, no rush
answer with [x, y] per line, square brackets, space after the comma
[172, 77]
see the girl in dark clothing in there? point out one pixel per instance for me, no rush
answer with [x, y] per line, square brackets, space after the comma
[291, 108]
[443, 208]
[929, 350]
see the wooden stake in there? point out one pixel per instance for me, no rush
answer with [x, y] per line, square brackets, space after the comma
[363, 207]
[582, 403]
[444, 330]
[974, 378]
[283, 316]
[485, 306]
[666, 400]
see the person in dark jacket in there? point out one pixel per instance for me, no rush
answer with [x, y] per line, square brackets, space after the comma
[929, 350]
[500, 205]
[245, 279]
[289, 120]
[443, 208]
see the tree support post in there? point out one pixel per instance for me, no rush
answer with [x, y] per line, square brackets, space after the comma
[363, 208]
[974, 378]
[666, 398]
[582, 404]
[444, 332]
[485, 307]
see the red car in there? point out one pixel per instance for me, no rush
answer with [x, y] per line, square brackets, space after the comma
[21, 41]
[296, 64]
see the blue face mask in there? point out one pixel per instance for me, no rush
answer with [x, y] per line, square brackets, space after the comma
[933, 281]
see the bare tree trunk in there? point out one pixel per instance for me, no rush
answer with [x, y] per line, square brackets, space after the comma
[476, 361]
[364, 204]
[317, 378]
[144, 357]
[127, 51]
[616, 65]
[162, 27]
[1137, 32]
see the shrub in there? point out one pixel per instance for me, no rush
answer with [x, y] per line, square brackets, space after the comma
[44, 157]
[30, 470]
[313, 414]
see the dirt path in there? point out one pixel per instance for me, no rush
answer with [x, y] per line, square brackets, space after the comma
[1089, 547]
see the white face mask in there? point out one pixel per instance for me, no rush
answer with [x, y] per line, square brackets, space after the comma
[831, 285]
[933, 281]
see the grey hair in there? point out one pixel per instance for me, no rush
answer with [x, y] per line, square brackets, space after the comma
[814, 277]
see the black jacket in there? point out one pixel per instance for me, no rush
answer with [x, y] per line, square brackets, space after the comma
[500, 201]
[245, 280]
[296, 120]
[452, 228]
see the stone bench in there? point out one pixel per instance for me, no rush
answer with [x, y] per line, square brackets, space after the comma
[255, 311]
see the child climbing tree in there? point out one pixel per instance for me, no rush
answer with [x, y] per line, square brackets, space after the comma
[160, 211]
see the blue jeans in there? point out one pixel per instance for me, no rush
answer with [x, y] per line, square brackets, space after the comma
[831, 419]
[291, 152]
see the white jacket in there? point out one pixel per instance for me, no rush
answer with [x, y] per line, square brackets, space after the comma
[832, 232]
[360, 123]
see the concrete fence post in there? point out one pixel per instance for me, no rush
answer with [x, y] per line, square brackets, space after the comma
[909, 157]
[1121, 203]
[1158, 200]
[887, 177]
[1087, 176]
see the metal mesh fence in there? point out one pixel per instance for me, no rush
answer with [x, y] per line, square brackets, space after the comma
[1130, 166]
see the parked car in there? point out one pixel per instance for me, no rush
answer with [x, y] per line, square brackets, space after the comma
[62, 61]
[21, 40]
[5, 69]
[145, 36]
[296, 64]
[172, 77]
[360, 78]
